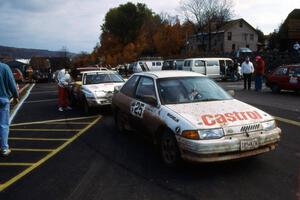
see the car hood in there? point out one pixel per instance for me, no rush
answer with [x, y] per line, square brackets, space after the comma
[216, 114]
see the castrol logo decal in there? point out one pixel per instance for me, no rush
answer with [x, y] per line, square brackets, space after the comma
[212, 119]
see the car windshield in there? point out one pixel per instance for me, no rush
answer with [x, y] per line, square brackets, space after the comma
[98, 78]
[189, 89]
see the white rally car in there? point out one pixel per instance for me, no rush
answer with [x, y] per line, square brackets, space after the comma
[189, 116]
[95, 88]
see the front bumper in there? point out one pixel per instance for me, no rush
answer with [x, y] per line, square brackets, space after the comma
[228, 147]
[95, 102]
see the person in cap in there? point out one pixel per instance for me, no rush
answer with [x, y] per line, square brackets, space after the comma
[259, 72]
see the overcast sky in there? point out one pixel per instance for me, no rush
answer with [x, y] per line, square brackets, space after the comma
[52, 24]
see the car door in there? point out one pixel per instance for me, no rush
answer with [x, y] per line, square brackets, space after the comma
[144, 109]
[124, 99]
[281, 77]
[213, 68]
[199, 67]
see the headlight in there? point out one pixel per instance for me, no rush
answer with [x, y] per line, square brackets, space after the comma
[211, 134]
[89, 94]
[269, 125]
[117, 88]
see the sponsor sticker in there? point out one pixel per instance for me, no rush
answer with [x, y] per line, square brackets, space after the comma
[213, 119]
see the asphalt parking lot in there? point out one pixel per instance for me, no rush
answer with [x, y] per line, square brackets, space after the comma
[72, 156]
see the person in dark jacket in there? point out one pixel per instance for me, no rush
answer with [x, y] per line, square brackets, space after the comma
[259, 72]
[8, 89]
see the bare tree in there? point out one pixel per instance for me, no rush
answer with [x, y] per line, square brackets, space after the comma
[206, 12]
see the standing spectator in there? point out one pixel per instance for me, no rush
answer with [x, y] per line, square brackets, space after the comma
[259, 72]
[63, 79]
[247, 70]
[8, 89]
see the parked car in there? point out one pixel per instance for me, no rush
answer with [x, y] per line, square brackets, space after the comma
[173, 64]
[190, 117]
[211, 67]
[146, 65]
[95, 88]
[18, 75]
[284, 78]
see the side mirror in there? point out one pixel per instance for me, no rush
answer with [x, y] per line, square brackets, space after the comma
[151, 100]
[231, 92]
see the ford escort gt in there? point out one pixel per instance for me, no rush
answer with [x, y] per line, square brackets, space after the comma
[190, 117]
[95, 88]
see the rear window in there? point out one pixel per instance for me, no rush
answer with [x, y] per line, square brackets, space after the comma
[294, 72]
[281, 71]
[187, 63]
[129, 86]
[212, 63]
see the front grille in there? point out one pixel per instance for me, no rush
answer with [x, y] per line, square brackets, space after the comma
[250, 128]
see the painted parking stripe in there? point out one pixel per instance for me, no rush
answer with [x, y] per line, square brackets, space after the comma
[32, 150]
[76, 123]
[18, 106]
[40, 101]
[38, 139]
[44, 130]
[54, 120]
[33, 166]
[16, 164]
[288, 121]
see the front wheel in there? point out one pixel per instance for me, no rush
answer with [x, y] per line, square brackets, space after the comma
[169, 150]
[275, 88]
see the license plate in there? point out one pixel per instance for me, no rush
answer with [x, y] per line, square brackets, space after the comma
[249, 144]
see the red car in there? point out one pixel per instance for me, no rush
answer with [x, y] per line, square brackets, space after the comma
[284, 78]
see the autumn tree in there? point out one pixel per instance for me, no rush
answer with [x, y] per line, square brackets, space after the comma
[205, 13]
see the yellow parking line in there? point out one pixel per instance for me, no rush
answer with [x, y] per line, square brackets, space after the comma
[34, 150]
[296, 123]
[37, 164]
[55, 120]
[16, 164]
[44, 130]
[40, 101]
[38, 139]
[79, 123]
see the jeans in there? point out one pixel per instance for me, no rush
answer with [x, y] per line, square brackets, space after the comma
[258, 82]
[4, 122]
[247, 78]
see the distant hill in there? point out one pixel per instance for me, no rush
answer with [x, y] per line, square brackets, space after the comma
[28, 53]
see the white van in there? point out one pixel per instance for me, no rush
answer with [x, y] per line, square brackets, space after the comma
[147, 65]
[211, 67]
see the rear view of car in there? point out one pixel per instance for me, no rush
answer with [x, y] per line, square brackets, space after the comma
[284, 78]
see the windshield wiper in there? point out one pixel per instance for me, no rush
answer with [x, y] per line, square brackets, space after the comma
[210, 99]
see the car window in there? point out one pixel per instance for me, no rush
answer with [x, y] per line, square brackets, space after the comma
[294, 72]
[189, 89]
[212, 63]
[199, 63]
[145, 88]
[158, 63]
[187, 63]
[97, 78]
[129, 86]
[229, 63]
[153, 63]
[281, 71]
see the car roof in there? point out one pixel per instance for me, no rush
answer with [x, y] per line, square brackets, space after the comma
[169, 74]
[216, 58]
[99, 71]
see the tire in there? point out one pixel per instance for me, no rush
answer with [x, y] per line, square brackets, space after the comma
[275, 88]
[169, 150]
[119, 121]
[86, 108]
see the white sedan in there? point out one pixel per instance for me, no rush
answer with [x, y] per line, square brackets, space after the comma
[95, 88]
[190, 117]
